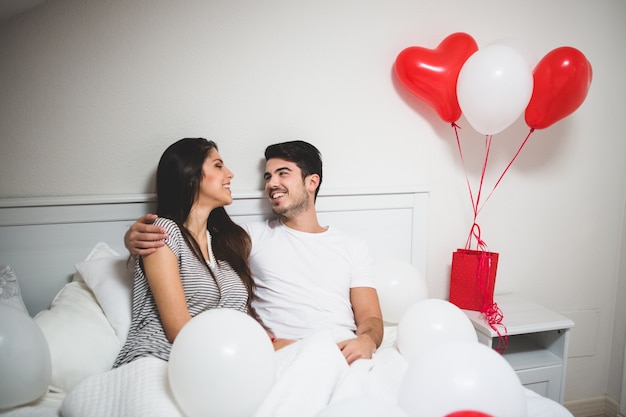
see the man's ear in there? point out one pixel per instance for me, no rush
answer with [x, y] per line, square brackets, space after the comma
[312, 182]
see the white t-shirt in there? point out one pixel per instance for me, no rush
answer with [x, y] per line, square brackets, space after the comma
[303, 280]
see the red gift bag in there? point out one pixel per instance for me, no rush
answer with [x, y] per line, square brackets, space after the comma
[472, 282]
[473, 279]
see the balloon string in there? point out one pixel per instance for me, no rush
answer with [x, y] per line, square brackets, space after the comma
[483, 279]
[475, 233]
[507, 167]
[488, 139]
[469, 187]
[475, 203]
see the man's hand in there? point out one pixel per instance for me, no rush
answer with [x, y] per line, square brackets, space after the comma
[143, 238]
[361, 347]
[369, 325]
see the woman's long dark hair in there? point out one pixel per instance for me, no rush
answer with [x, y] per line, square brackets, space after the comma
[179, 175]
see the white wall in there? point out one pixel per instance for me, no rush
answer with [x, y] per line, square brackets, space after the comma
[93, 91]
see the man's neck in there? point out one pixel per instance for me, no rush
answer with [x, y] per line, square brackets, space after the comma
[304, 222]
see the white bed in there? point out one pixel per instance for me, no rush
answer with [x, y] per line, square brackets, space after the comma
[83, 312]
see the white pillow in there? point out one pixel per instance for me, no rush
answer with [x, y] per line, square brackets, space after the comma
[10, 293]
[111, 280]
[99, 251]
[81, 339]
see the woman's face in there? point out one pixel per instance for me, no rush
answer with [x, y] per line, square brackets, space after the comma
[215, 185]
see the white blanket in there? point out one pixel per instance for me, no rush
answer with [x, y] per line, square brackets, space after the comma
[140, 389]
[311, 374]
[308, 373]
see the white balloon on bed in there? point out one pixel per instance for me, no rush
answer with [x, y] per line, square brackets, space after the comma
[362, 406]
[399, 285]
[461, 376]
[428, 323]
[25, 367]
[221, 364]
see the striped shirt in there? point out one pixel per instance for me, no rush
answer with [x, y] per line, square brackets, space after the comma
[146, 336]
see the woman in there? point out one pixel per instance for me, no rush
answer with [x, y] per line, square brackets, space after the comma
[204, 262]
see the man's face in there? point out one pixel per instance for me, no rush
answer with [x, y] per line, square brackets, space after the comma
[285, 188]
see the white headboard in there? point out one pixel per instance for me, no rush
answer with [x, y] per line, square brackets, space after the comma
[43, 238]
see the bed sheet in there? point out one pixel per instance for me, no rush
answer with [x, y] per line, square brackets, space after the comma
[47, 406]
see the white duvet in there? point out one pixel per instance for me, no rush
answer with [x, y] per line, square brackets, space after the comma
[311, 374]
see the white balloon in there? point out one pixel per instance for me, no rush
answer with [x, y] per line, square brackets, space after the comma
[25, 366]
[363, 407]
[529, 56]
[221, 364]
[399, 285]
[429, 323]
[461, 376]
[494, 87]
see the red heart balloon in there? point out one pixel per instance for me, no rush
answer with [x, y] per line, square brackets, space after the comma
[431, 74]
[468, 413]
[561, 82]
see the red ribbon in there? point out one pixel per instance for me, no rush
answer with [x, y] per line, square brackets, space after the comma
[493, 316]
[490, 310]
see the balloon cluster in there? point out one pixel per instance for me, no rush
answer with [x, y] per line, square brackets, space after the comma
[448, 374]
[494, 85]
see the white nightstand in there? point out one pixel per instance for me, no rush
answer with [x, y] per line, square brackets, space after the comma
[538, 343]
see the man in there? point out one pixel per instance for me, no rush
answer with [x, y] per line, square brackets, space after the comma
[307, 276]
